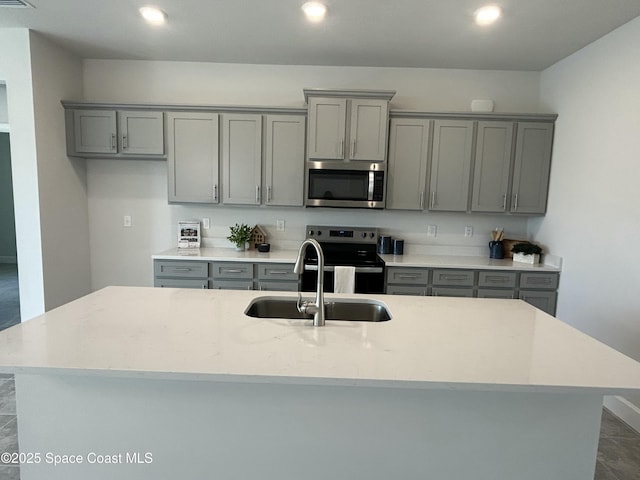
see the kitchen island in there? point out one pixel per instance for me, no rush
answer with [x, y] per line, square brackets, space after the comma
[144, 383]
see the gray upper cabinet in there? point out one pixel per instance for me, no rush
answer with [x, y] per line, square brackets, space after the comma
[284, 160]
[327, 123]
[451, 165]
[531, 167]
[408, 158]
[123, 133]
[352, 129]
[241, 159]
[494, 141]
[95, 131]
[192, 143]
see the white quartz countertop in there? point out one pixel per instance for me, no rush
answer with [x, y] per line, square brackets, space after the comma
[431, 342]
[218, 254]
[407, 260]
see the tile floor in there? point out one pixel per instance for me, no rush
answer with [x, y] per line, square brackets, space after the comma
[618, 450]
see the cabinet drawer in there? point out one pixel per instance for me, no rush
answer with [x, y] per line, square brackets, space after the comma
[276, 271]
[546, 281]
[451, 292]
[497, 279]
[454, 278]
[407, 290]
[278, 286]
[233, 284]
[181, 283]
[181, 269]
[496, 293]
[408, 276]
[232, 270]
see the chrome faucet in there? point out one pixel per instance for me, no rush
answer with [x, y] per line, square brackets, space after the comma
[316, 308]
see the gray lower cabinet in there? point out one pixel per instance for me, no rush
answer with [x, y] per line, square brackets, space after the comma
[537, 288]
[180, 274]
[407, 281]
[232, 275]
[192, 160]
[108, 133]
[277, 276]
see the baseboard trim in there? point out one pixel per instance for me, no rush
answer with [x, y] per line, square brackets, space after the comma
[625, 410]
[8, 259]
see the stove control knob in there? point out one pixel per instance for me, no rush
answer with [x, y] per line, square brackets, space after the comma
[319, 232]
[372, 234]
[311, 232]
[364, 234]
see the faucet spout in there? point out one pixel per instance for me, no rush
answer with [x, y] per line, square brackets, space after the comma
[316, 308]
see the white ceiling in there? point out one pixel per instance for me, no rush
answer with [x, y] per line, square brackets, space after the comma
[532, 35]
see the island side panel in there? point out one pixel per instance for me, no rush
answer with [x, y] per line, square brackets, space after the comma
[206, 429]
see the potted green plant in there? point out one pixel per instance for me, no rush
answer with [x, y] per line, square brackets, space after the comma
[526, 252]
[240, 235]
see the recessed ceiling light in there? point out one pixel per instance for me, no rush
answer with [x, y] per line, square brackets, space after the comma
[487, 15]
[153, 15]
[315, 11]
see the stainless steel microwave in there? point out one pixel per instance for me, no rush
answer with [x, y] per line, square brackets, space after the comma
[341, 184]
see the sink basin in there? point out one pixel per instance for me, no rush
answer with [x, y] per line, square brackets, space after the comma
[335, 309]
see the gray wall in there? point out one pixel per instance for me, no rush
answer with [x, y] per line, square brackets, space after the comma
[7, 218]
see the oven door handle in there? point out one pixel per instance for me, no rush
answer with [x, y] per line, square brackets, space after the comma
[330, 268]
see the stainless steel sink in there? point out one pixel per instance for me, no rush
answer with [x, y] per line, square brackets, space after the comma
[335, 309]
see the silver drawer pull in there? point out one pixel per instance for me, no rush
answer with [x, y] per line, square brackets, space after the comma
[181, 269]
[277, 272]
[497, 279]
[539, 281]
[408, 275]
[232, 270]
[454, 277]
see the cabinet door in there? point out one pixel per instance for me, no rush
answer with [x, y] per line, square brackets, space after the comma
[407, 169]
[532, 163]
[141, 133]
[494, 142]
[368, 130]
[241, 159]
[284, 160]
[451, 165]
[326, 139]
[192, 160]
[95, 131]
[544, 300]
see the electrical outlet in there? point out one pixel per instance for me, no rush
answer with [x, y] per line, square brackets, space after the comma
[280, 225]
[206, 224]
[468, 231]
[127, 221]
[432, 230]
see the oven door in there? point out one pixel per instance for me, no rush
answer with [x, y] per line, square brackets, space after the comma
[345, 187]
[368, 279]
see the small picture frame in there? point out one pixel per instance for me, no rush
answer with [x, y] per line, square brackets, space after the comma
[189, 234]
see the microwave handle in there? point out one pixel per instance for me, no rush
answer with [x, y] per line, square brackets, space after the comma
[371, 185]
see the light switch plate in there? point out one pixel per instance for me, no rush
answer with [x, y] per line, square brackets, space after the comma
[206, 223]
[432, 230]
[280, 225]
[468, 231]
[127, 221]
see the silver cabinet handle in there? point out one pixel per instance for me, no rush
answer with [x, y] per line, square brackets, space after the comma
[181, 269]
[257, 193]
[433, 199]
[215, 192]
[353, 149]
[504, 202]
[515, 203]
[125, 143]
[341, 147]
[269, 193]
[408, 275]
[232, 270]
[422, 199]
[113, 141]
[277, 272]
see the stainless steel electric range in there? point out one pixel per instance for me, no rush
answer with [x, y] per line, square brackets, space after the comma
[348, 246]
